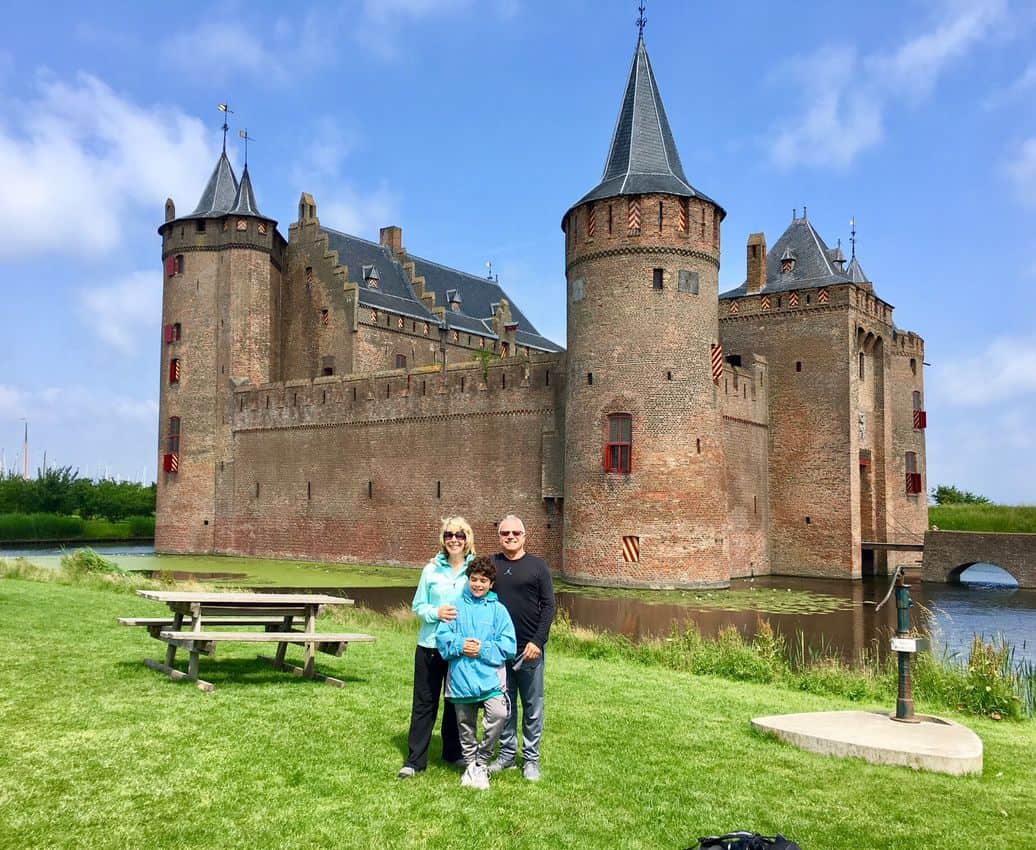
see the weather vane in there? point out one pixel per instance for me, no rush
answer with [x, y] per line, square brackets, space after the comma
[227, 111]
[852, 235]
[641, 20]
[244, 135]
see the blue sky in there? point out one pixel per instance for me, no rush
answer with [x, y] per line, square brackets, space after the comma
[474, 125]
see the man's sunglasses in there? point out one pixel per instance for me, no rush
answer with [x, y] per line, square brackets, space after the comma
[450, 535]
[514, 533]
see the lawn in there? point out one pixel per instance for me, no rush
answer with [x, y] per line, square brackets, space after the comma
[1017, 519]
[100, 752]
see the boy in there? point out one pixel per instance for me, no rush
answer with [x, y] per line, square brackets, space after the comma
[476, 644]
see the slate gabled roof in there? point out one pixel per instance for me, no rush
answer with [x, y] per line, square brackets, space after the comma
[814, 264]
[220, 192]
[394, 292]
[244, 202]
[643, 156]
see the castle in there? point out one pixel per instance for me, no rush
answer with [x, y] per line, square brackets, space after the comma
[327, 397]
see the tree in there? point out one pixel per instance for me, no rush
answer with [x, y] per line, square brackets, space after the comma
[949, 495]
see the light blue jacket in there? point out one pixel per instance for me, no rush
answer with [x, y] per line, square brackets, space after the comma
[486, 619]
[438, 586]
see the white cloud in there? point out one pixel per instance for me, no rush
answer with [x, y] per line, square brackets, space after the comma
[1021, 86]
[844, 96]
[1004, 370]
[79, 159]
[839, 121]
[124, 313]
[11, 403]
[1021, 172]
[70, 404]
[341, 205]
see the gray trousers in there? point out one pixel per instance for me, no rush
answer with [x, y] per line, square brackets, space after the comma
[493, 719]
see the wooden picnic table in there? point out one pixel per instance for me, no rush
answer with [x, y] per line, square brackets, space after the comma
[286, 618]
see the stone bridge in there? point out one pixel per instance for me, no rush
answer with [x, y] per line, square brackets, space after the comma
[948, 553]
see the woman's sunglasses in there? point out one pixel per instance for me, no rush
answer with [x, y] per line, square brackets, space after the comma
[450, 535]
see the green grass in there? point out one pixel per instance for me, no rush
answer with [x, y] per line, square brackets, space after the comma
[100, 752]
[1018, 519]
[43, 527]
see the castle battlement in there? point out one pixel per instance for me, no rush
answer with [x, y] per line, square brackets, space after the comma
[515, 385]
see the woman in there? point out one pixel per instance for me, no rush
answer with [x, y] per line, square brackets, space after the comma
[442, 581]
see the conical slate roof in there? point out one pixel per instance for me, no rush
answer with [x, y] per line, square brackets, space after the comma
[856, 273]
[244, 202]
[643, 157]
[220, 192]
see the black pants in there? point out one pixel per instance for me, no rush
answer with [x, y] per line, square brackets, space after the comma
[429, 678]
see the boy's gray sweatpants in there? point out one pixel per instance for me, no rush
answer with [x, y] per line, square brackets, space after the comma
[493, 720]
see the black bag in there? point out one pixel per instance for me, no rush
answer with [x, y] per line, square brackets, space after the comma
[745, 841]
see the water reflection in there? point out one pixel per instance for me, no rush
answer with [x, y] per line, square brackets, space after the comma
[951, 614]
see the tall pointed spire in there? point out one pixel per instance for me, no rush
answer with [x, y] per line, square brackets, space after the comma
[642, 158]
[220, 192]
[244, 202]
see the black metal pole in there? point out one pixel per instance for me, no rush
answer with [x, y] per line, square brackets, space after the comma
[905, 698]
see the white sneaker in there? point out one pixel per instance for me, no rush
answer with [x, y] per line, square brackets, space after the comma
[480, 777]
[468, 779]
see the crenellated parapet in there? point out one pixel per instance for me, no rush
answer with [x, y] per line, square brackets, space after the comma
[517, 385]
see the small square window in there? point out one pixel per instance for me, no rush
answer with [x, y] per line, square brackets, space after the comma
[578, 288]
[688, 282]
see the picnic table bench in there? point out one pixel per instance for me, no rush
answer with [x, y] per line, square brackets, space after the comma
[286, 618]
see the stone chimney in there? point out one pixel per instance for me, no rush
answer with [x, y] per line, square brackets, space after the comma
[756, 262]
[392, 238]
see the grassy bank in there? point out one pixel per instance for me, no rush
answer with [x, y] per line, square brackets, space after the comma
[1018, 519]
[99, 752]
[44, 527]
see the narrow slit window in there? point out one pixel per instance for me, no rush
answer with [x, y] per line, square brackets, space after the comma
[656, 278]
[174, 370]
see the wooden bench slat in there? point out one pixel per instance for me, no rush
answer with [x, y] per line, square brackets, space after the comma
[271, 637]
[220, 621]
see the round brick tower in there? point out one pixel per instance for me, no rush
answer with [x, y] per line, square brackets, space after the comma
[219, 277]
[645, 483]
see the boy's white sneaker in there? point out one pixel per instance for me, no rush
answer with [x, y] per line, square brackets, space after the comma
[480, 777]
[468, 779]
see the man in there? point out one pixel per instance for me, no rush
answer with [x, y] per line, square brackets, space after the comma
[523, 585]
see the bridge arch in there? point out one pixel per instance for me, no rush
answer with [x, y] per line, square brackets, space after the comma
[956, 575]
[948, 553]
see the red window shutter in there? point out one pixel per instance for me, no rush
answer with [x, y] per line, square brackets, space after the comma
[920, 420]
[170, 266]
[607, 458]
[171, 462]
[168, 333]
[174, 371]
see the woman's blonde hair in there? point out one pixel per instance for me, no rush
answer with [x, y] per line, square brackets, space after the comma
[457, 523]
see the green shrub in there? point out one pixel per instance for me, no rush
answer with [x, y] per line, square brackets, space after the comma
[83, 561]
[991, 684]
[141, 526]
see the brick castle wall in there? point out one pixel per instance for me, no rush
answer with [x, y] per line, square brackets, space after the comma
[362, 469]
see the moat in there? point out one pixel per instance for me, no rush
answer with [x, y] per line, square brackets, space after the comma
[828, 615]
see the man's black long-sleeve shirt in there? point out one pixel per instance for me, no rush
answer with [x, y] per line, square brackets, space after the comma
[527, 592]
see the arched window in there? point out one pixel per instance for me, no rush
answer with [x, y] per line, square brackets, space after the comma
[620, 443]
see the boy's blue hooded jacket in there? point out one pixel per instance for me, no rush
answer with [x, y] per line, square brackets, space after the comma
[487, 620]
